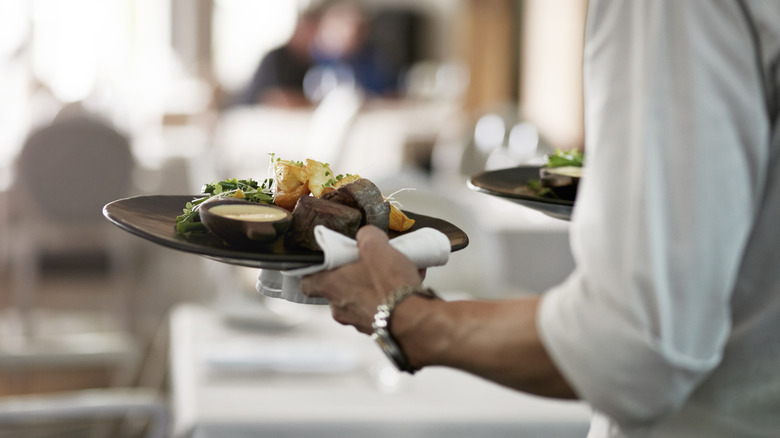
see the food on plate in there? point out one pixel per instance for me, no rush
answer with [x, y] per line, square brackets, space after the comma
[294, 187]
[291, 182]
[342, 180]
[248, 212]
[570, 158]
[559, 177]
[344, 209]
[366, 198]
[246, 189]
[240, 223]
[320, 178]
[563, 182]
[320, 181]
[310, 212]
[399, 221]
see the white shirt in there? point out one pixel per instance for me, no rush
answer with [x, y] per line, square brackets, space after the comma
[670, 324]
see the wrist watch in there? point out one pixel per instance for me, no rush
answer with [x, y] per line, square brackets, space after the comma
[381, 324]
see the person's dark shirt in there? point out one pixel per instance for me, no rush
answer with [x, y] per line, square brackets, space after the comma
[280, 69]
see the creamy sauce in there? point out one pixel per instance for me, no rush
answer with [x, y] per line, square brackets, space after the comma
[248, 212]
[572, 171]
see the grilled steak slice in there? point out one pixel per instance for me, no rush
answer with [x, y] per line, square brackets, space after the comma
[310, 212]
[366, 197]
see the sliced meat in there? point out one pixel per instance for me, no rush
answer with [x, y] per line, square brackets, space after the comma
[366, 197]
[310, 212]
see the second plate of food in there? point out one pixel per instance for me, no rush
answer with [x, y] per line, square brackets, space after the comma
[512, 184]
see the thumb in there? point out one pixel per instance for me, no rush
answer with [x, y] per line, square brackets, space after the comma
[372, 243]
[387, 265]
[370, 233]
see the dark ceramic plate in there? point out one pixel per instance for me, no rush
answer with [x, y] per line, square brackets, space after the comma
[154, 218]
[511, 184]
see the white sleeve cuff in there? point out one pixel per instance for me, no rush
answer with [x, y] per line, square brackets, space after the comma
[607, 358]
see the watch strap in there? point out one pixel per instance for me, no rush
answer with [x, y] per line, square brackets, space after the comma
[381, 325]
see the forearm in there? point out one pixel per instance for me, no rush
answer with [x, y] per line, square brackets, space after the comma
[495, 340]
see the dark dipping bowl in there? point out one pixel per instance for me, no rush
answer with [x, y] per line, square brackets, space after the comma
[244, 224]
[562, 181]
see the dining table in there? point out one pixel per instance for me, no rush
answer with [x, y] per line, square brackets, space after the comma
[263, 367]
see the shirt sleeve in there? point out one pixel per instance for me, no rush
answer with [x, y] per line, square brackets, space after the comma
[676, 132]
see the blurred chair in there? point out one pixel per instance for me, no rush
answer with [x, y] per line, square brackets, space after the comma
[23, 412]
[66, 172]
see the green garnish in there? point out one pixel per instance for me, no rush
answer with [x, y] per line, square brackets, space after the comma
[571, 158]
[561, 158]
[535, 186]
[189, 220]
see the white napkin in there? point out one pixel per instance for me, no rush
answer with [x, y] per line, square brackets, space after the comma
[426, 248]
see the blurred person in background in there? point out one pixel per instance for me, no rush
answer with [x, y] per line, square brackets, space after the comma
[669, 325]
[279, 78]
[351, 49]
[336, 43]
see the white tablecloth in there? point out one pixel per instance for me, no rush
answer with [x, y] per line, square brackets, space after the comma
[218, 392]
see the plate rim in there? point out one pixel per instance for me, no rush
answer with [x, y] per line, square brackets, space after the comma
[228, 255]
[557, 208]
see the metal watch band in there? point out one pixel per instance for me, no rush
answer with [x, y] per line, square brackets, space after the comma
[381, 324]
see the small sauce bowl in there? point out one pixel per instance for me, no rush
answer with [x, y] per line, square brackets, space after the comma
[242, 223]
[562, 181]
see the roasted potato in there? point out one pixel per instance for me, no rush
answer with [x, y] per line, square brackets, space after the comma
[295, 179]
[291, 183]
[398, 220]
[320, 178]
[345, 179]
